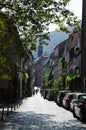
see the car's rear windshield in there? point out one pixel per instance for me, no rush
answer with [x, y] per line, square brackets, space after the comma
[63, 94]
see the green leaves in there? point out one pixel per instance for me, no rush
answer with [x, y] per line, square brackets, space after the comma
[64, 2]
[33, 46]
[10, 46]
[71, 78]
[63, 73]
[25, 75]
[32, 17]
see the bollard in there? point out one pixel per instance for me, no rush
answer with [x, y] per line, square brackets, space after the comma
[2, 117]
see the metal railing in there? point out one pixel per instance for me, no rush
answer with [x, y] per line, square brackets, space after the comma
[8, 106]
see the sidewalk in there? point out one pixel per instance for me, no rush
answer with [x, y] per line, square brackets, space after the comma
[37, 113]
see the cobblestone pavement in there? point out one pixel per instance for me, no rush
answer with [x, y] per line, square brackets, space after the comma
[37, 113]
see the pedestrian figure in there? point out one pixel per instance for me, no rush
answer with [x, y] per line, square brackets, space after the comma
[33, 92]
[36, 91]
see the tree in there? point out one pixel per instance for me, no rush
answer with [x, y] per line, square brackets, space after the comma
[32, 17]
[49, 78]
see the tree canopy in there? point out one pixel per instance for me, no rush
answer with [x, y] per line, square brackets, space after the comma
[32, 17]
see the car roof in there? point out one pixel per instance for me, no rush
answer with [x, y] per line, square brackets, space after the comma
[80, 93]
[64, 91]
[69, 94]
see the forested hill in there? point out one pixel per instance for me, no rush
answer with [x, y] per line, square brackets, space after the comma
[55, 39]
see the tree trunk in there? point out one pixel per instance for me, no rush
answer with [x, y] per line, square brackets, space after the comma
[83, 56]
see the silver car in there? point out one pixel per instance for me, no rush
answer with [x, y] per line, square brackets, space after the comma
[80, 109]
[75, 99]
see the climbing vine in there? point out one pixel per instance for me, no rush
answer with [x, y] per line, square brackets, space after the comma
[71, 78]
[63, 73]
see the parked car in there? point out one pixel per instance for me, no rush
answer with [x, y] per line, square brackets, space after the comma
[67, 99]
[61, 96]
[75, 99]
[80, 109]
[52, 93]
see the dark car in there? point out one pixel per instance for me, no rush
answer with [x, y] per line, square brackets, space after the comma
[61, 96]
[80, 109]
[76, 97]
[52, 93]
[67, 99]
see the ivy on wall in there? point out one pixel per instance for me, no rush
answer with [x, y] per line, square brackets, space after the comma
[71, 78]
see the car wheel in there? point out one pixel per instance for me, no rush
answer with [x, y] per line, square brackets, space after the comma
[82, 117]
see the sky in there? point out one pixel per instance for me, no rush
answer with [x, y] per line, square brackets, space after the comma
[76, 7]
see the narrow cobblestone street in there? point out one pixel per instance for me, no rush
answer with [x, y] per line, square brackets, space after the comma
[37, 113]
